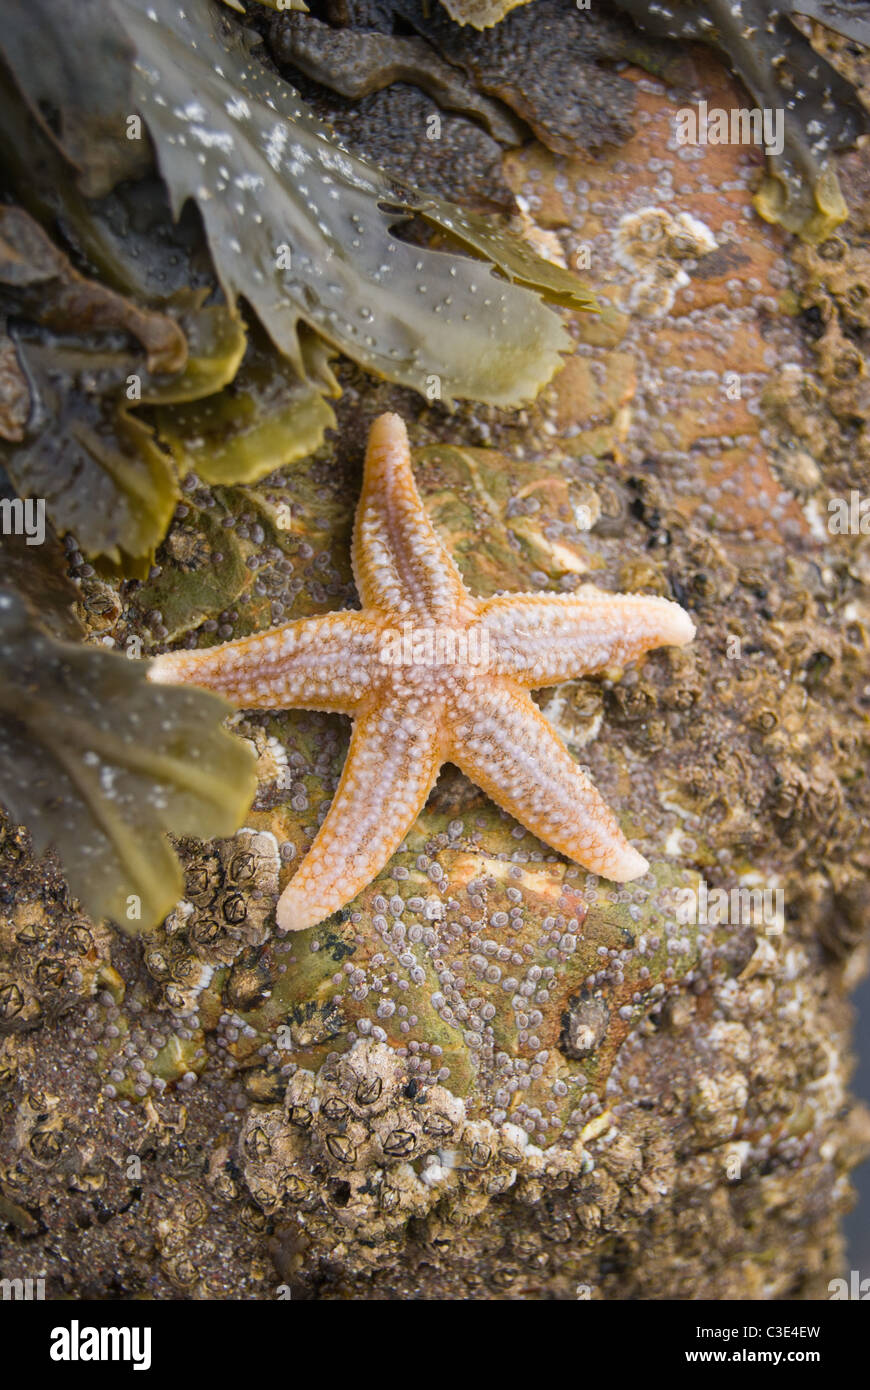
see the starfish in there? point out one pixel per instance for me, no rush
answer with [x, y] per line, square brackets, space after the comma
[431, 674]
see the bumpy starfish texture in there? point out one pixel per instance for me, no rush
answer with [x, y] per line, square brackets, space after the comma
[431, 674]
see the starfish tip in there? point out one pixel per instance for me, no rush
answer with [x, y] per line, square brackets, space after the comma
[684, 629]
[294, 913]
[162, 669]
[629, 864]
[389, 431]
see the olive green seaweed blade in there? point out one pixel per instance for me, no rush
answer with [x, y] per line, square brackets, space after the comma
[303, 230]
[100, 764]
[267, 417]
[513, 256]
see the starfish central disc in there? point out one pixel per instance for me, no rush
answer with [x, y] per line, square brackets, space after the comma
[431, 674]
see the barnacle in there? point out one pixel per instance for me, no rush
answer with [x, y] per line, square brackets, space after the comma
[100, 764]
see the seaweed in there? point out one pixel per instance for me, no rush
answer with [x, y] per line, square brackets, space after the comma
[67, 398]
[100, 471]
[97, 469]
[39, 282]
[847, 20]
[481, 14]
[127, 237]
[552, 66]
[268, 416]
[72, 374]
[357, 62]
[14, 391]
[100, 764]
[302, 229]
[781, 69]
[282, 5]
[72, 64]
[38, 573]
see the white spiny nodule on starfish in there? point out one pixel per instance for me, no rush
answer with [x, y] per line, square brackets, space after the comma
[430, 675]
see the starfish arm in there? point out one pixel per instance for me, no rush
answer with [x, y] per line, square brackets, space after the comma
[392, 765]
[539, 639]
[504, 744]
[399, 562]
[326, 663]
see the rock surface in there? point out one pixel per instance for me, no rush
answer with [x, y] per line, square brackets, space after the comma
[495, 1076]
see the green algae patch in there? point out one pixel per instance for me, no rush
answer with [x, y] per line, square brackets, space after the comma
[493, 513]
[178, 1058]
[207, 575]
[487, 968]
[216, 342]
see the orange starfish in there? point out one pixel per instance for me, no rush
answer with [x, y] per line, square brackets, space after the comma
[431, 674]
